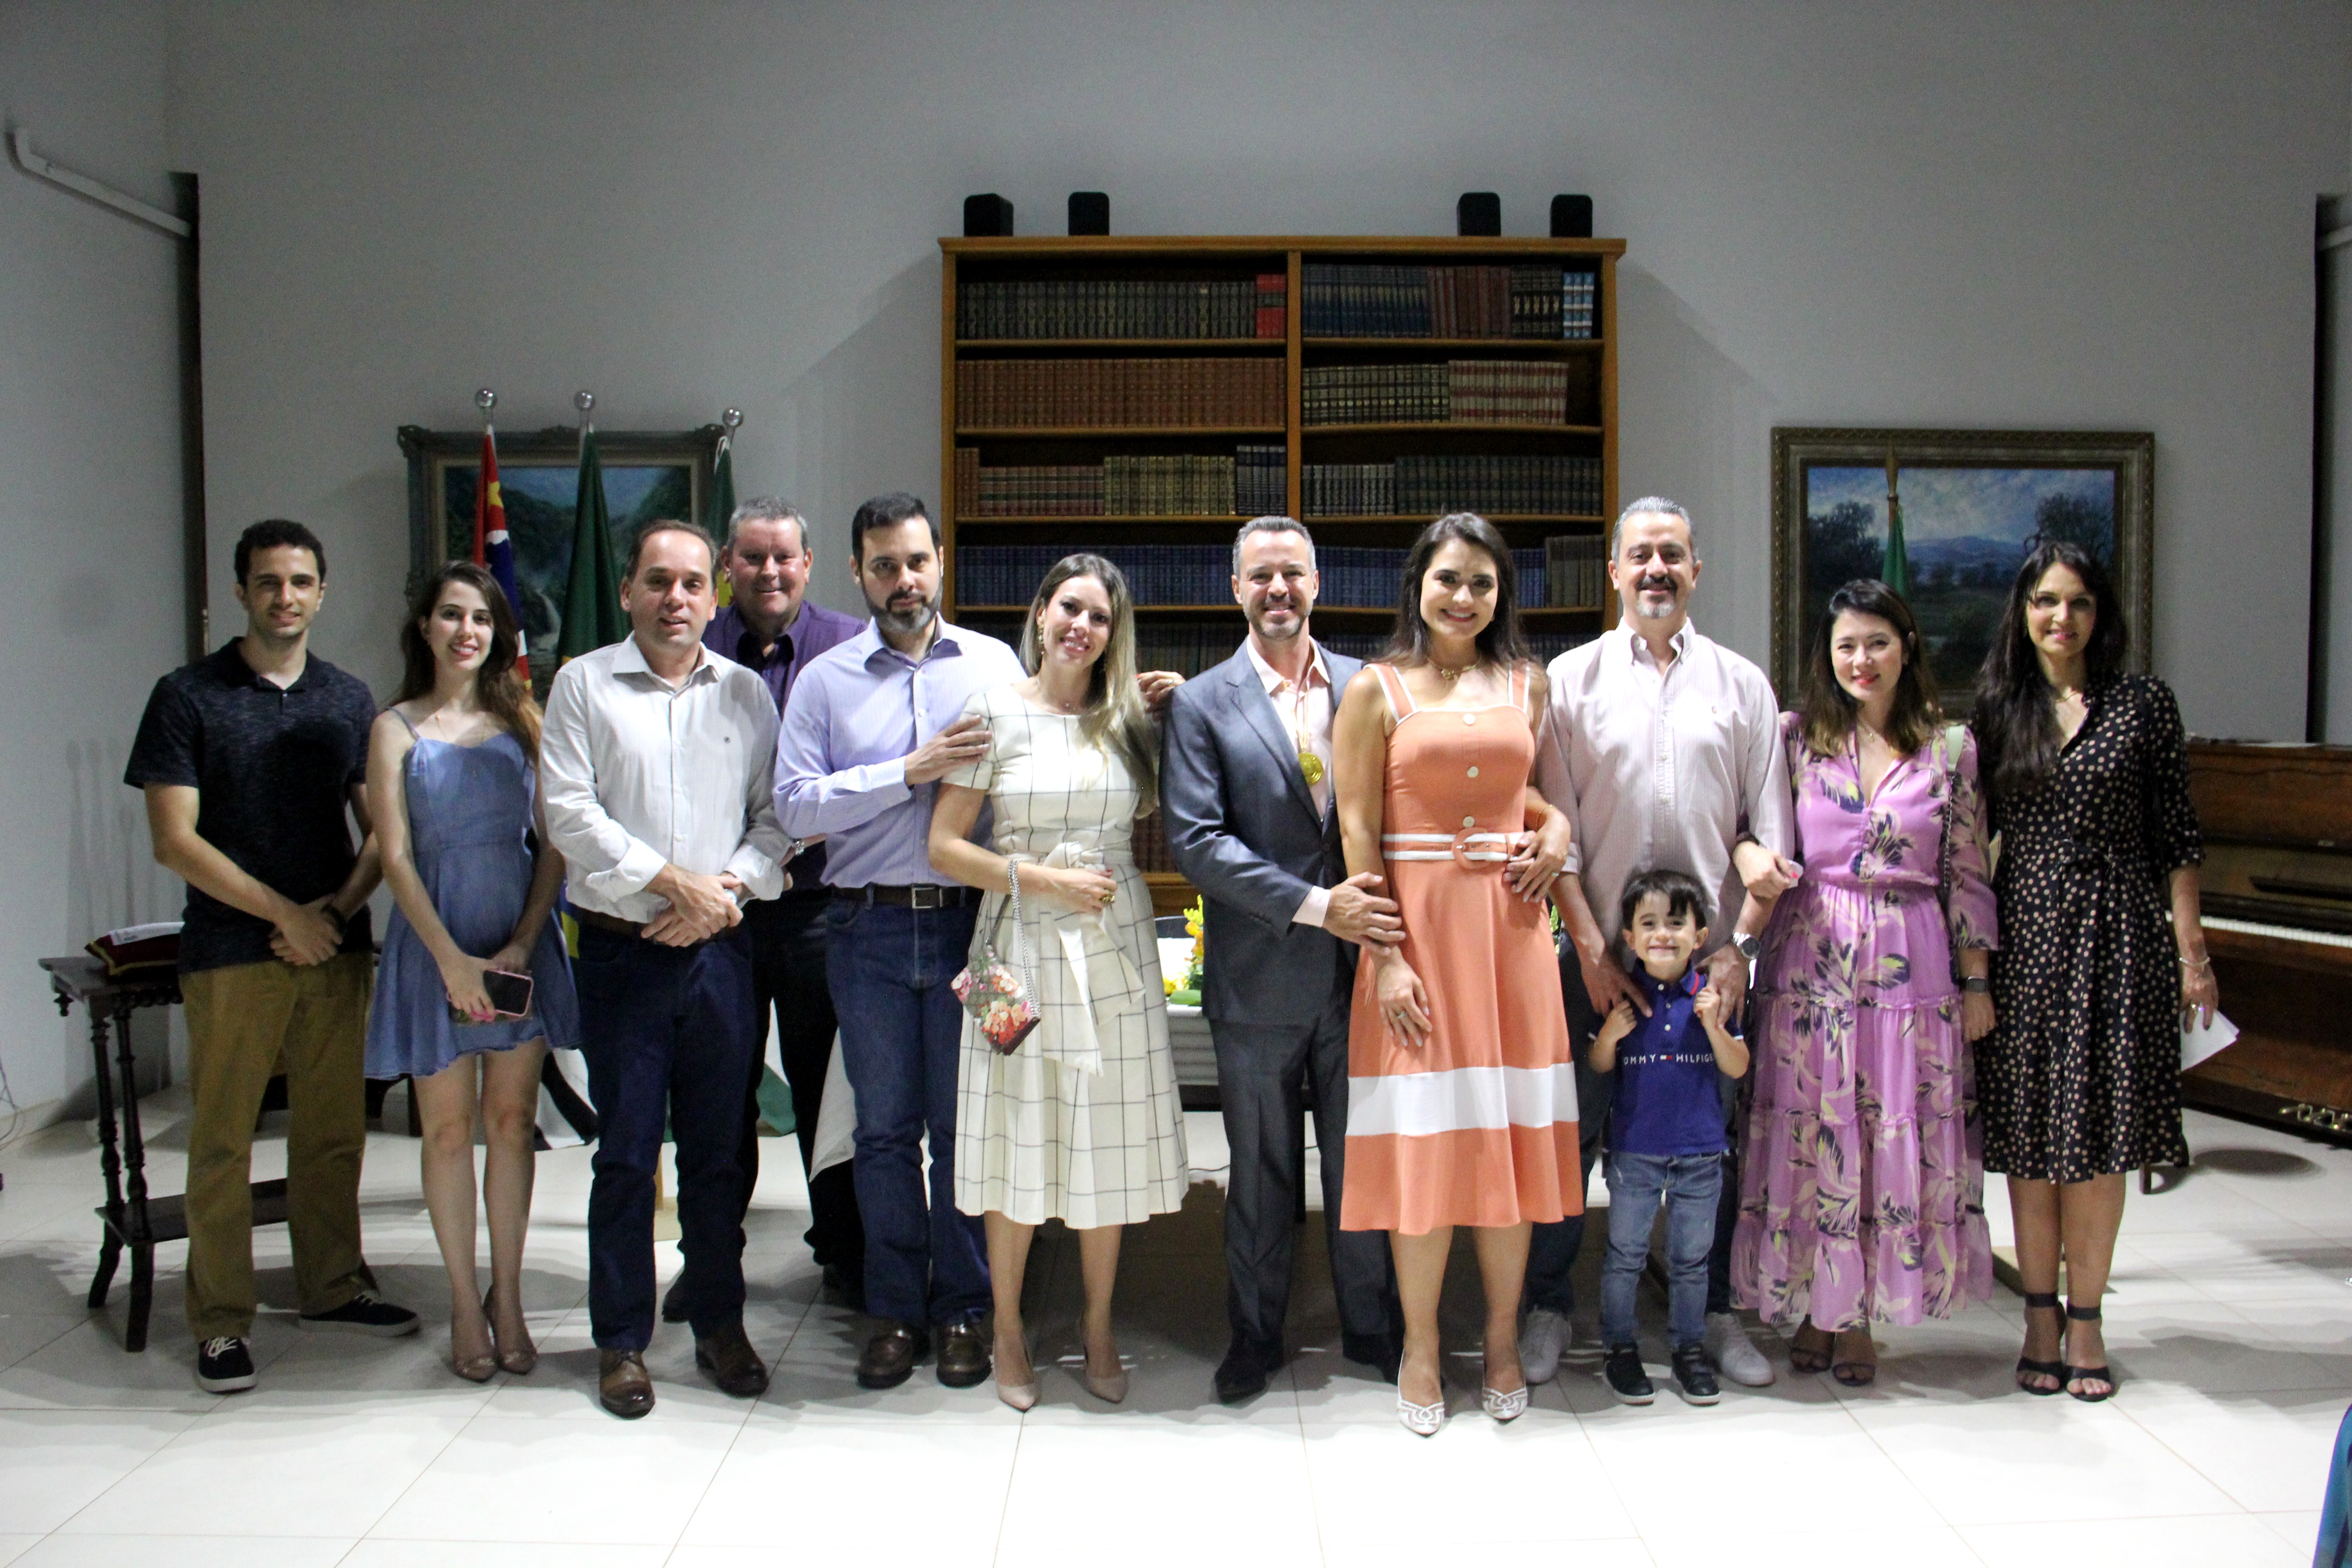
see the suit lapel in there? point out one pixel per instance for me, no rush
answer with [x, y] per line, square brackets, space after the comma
[1257, 710]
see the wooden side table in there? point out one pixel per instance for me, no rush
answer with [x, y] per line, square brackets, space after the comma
[130, 1217]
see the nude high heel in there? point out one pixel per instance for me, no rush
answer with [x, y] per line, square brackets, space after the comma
[521, 1358]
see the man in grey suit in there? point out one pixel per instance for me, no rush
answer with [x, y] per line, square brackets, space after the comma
[1245, 784]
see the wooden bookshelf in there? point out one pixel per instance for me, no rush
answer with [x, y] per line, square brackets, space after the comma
[1210, 631]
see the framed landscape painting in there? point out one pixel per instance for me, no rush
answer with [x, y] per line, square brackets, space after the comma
[647, 474]
[1972, 503]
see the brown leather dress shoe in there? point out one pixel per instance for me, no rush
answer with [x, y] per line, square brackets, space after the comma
[963, 1355]
[622, 1384]
[891, 1354]
[732, 1364]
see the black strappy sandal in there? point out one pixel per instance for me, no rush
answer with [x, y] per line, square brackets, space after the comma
[2046, 1301]
[2081, 1374]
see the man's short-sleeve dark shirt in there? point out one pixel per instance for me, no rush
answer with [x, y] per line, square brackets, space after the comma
[273, 771]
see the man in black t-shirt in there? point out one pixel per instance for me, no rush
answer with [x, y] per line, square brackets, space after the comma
[249, 760]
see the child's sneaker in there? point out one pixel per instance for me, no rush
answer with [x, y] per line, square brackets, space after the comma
[1627, 1378]
[223, 1366]
[1694, 1375]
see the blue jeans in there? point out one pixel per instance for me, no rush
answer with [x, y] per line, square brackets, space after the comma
[668, 1033]
[901, 1042]
[1552, 1249]
[1689, 1185]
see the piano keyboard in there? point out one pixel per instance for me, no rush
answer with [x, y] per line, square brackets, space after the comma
[2280, 933]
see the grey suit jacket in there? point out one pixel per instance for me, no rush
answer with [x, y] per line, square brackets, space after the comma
[1243, 828]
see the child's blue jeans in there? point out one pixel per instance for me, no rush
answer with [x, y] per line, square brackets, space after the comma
[1688, 1185]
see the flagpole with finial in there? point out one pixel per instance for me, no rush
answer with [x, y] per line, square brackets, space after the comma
[719, 502]
[484, 400]
[1894, 566]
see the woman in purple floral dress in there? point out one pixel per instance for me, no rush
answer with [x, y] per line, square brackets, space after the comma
[1863, 1196]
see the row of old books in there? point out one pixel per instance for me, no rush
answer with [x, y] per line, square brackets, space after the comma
[1156, 573]
[1184, 485]
[1575, 569]
[1123, 308]
[1459, 392]
[1200, 394]
[1029, 490]
[1250, 483]
[1349, 300]
[1352, 577]
[1554, 486]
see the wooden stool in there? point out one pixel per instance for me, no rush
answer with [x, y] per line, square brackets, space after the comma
[130, 1217]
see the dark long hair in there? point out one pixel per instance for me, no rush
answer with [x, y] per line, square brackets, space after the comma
[496, 686]
[2016, 716]
[1114, 716]
[1500, 643]
[1830, 710]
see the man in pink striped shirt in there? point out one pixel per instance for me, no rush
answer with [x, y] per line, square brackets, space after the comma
[1665, 753]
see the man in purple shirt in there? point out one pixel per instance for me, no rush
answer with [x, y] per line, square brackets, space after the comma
[871, 728]
[770, 629]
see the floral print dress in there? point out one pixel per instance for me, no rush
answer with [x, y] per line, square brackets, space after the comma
[1862, 1196]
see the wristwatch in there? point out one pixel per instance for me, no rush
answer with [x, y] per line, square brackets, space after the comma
[1979, 984]
[1748, 944]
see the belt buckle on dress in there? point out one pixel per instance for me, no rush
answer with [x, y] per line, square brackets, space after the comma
[1461, 848]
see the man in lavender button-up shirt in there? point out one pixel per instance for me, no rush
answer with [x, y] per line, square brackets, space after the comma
[871, 726]
[1663, 748]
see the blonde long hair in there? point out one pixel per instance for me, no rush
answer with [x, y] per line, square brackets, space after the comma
[1114, 715]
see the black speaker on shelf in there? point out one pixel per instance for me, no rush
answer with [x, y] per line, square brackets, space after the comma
[1571, 217]
[1479, 212]
[1089, 212]
[988, 216]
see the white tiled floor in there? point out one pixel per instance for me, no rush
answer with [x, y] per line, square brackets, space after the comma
[2231, 1324]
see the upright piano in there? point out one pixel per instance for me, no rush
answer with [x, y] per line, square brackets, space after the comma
[2277, 885]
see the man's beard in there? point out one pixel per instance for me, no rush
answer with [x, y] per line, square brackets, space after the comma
[1673, 592]
[904, 622]
[1283, 633]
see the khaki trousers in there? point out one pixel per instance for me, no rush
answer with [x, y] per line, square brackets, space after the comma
[243, 1021]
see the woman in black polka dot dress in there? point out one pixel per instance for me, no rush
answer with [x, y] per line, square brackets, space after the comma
[2086, 770]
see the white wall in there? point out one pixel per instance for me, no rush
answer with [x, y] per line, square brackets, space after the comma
[2076, 214]
[90, 516]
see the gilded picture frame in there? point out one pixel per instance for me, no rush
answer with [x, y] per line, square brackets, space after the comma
[1972, 502]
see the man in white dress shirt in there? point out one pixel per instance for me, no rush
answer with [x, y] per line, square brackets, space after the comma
[656, 767]
[1665, 753]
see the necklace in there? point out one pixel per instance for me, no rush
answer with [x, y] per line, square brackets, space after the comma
[1310, 766]
[1453, 674]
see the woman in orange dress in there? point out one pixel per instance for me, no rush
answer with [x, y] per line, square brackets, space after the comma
[1461, 1098]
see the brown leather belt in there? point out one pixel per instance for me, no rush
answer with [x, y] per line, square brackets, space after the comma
[613, 923]
[920, 896]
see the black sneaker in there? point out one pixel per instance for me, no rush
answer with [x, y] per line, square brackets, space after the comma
[225, 1366]
[1694, 1375]
[1628, 1380]
[365, 1313]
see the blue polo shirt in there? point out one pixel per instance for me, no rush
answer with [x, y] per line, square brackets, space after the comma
[1669, 1096]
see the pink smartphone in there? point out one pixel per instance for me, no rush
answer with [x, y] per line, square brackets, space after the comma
[509, 996]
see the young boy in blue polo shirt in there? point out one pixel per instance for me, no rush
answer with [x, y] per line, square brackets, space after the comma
[1665, 1136]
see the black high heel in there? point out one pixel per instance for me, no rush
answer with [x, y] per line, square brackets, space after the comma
[2075, 1374]
[2043, 1300]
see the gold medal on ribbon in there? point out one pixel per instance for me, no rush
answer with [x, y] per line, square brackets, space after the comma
[1312, 766]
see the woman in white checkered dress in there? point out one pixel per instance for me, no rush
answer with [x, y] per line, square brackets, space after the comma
[1081, 1123]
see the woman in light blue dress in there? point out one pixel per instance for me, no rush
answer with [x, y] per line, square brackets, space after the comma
[453, 792]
